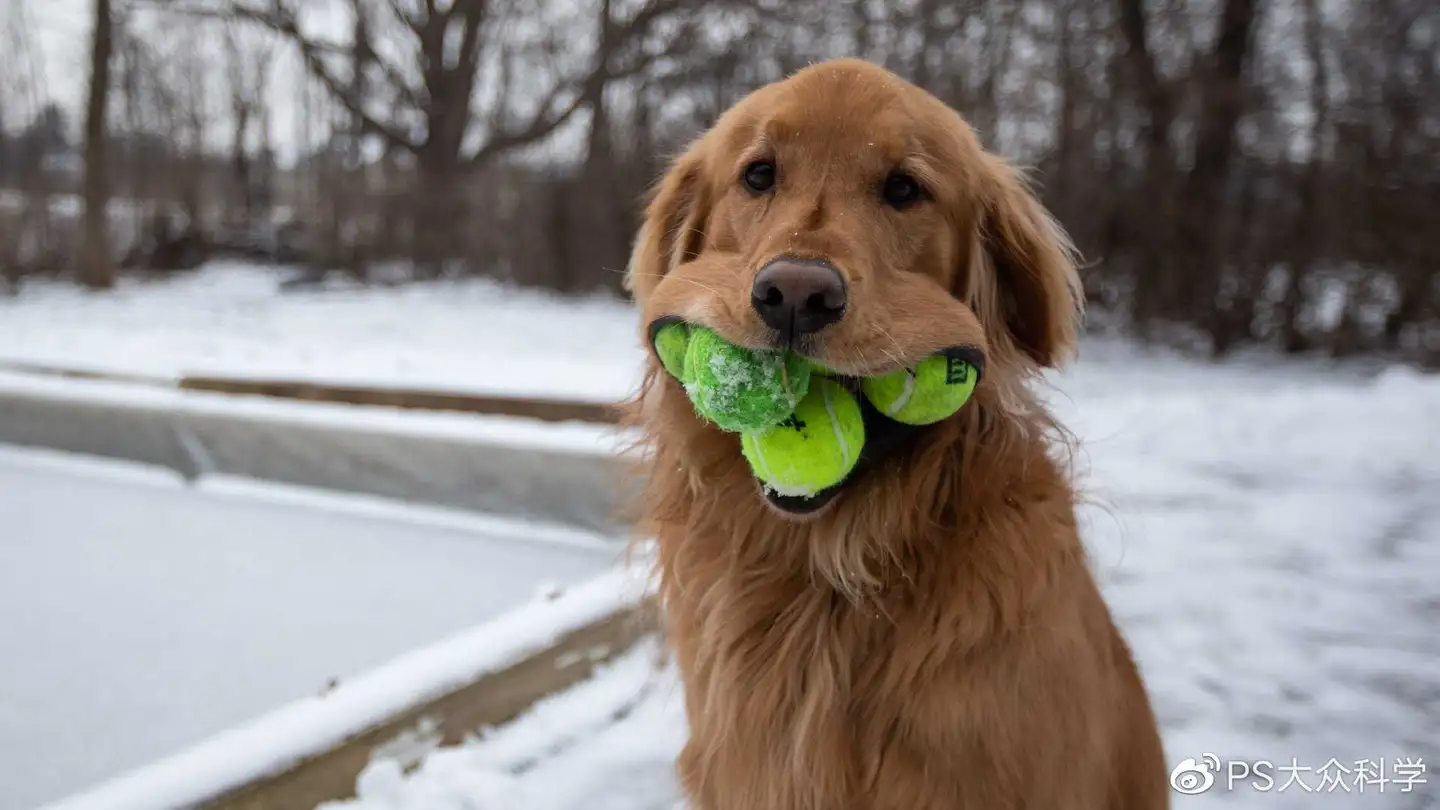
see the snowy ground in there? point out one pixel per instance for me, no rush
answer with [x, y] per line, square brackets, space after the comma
[1268, 536]
[231, 320]
[141, 616]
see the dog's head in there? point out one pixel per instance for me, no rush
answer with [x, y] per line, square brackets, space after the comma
[851, 216]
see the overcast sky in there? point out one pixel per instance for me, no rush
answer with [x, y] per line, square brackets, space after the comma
[61, 30]
[60, 34]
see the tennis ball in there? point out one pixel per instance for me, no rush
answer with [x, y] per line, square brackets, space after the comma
[740, 389]
[812, 450]
[936, 388]
[670, 343]
[817, 367]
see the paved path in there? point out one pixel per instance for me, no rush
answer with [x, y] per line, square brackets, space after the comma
[141, 616]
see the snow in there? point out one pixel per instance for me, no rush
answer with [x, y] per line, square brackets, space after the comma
[142, 616]
[743, 388]
[1267, 534]
[605, 744]
[1271, 549]
[375, 508]
[1268, 537]
[230, 319]
[314, 723]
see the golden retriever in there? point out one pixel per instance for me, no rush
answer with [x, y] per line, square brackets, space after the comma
[927, 634]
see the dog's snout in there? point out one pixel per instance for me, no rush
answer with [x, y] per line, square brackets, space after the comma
[798, 297]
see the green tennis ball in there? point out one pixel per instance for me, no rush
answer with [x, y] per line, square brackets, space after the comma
[670, 344]
[817, 367]
[814, 449]
[740, 389]
[936, 388]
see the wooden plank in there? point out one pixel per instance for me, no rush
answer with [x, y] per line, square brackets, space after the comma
[494, 699]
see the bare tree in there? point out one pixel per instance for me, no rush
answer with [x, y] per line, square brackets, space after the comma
[248, 63]
[97, 268]
[1310, 225]
[1199, 248]
[25, 227]
[426, 104]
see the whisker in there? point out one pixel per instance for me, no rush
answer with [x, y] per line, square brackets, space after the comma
[677, 278]
[897, 360]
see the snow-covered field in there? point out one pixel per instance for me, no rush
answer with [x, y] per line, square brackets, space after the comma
[230, 320]
[1269, 536]
[140, 615]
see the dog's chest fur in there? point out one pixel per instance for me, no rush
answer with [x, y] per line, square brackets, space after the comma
[803, 698]
[790, 662]
[818, 678]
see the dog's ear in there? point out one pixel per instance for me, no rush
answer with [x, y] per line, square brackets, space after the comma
[673, 229]
[1032, 285]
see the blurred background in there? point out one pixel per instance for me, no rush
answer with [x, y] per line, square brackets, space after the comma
[310, 309]
[1241, 172]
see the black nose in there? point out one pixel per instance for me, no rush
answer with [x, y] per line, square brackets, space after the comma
[798, 296]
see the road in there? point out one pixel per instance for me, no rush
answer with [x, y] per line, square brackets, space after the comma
[141, 615]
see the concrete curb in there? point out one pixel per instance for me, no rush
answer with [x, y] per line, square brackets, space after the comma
[543, 480]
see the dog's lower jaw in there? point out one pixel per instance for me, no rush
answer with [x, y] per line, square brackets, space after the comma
[799, 508]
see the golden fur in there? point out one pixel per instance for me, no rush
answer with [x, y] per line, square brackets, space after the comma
[933, 638]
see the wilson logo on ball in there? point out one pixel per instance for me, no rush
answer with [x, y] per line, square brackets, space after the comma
[957, 371]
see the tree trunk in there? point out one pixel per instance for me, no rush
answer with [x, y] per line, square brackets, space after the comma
[1067, 125]
[1231, 319]
[1415, 284]
[240, 176]
[97, 268]
[598, 227]
[1199, 247]
[436, 218]
[1148, 223]
[1310, 230]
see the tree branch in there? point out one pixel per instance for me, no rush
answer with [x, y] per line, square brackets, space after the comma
[280, 18]
[540, 127]
[546, 122]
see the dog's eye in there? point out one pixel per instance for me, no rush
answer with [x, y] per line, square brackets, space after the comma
[759, 177]
[901, 190]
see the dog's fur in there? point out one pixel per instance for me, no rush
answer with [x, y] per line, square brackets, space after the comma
[933, 638]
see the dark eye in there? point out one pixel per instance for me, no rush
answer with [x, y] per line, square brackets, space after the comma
[901, 190]
[759, 177]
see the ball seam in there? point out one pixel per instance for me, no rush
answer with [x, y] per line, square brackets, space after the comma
[905, 393]
[835, 426]
[765, 474]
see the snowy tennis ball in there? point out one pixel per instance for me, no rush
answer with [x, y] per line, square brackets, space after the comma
[670, 343]
[936, 388]
[812, 450]
[740, 389]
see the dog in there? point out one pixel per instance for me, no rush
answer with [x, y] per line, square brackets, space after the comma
[926, 634]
